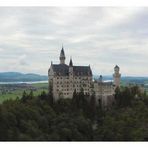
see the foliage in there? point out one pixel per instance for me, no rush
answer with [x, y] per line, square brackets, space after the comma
[37, 118]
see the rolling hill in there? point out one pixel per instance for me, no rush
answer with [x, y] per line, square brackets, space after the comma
[20, 77]
[30, 77]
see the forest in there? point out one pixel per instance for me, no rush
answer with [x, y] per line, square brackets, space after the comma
[40, 118]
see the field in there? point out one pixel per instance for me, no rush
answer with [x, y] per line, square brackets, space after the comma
[12, 91]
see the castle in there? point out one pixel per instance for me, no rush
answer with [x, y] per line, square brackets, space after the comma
[65, 79]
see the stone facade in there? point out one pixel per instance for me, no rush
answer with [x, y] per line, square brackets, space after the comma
[64, 79]
[104, 91]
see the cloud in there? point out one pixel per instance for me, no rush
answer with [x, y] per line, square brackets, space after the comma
[31, 37]
[22, 60]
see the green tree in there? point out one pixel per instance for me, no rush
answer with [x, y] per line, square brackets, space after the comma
[24, 96]
[50, 95]
[92, 107]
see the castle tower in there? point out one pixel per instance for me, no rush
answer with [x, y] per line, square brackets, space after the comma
[62, 56]
[100, 79]
[116, 76]
[71, 85]
[70, 67]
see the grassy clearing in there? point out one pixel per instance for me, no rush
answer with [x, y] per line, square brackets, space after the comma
[13, 94]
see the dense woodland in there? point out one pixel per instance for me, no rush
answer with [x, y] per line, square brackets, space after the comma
[78, 119]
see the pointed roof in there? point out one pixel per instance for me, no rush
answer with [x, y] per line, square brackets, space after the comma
[70, 63]
[62, 54]
[117, 66]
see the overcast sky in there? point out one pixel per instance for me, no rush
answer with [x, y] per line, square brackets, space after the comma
[32, 37]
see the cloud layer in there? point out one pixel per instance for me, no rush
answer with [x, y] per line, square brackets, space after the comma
[31, 37]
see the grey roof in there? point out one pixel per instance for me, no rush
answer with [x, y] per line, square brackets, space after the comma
[82, 70]
[116, 66]
[63, 69]
[62, 54]
[70, 63]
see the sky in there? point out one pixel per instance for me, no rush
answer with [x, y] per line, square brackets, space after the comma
[102, 37]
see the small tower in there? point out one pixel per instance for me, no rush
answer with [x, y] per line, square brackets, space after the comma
[116, 76]
[71, 85]
[70, 67]
[100, 79]
[62, 56]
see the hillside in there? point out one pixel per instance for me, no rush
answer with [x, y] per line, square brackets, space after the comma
[20, 77]
[30, 77]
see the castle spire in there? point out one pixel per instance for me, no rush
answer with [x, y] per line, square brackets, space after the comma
[62, 56]
[70, 63]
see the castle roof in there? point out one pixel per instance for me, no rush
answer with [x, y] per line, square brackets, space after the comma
[116, 66]
[63, 70]
[82, 70]
[62, 54]
[70, 63]
[60, 69]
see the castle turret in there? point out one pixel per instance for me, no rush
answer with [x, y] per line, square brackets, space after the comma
[71, 85]
[62, 56]
[100, 79]
[116, 76]
[70, 67]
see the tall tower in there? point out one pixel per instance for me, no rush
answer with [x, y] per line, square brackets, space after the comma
[116, 76]
[62, 56]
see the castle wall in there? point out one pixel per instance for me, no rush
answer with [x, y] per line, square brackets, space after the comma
[64, 86]
[104, 93]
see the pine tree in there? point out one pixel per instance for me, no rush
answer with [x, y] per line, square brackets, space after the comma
[92, 107]
[75, 100]
[24, 96]
[31, 96]
[50, 95]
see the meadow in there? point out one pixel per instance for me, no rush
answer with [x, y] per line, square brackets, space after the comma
[12, 91]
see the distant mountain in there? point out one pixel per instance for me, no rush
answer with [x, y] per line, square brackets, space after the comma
[136, 80]
[30, 77]
[20, 77]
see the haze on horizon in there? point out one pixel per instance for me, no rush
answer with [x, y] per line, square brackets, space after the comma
[32, 37]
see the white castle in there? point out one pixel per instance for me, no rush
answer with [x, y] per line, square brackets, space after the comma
[65, 79]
